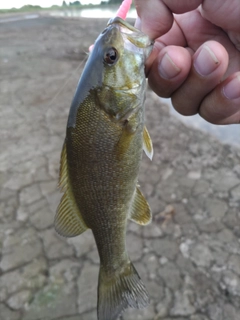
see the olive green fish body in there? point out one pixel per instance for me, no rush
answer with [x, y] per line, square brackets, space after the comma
[101, 158]
[103, 174]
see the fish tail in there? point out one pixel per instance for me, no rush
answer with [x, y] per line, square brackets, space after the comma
[118, 292]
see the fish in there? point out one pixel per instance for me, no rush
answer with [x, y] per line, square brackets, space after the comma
[100, 161]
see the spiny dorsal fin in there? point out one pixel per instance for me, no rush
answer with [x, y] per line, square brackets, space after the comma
[147, 143]
[140, 210]
[68, 220]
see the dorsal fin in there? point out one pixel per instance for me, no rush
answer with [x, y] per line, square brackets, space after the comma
[147, 143]
[68, 220]
[140, 210]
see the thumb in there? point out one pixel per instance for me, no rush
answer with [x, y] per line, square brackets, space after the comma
[155, 18]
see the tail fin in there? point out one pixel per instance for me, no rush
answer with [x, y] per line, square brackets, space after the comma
[117, 293]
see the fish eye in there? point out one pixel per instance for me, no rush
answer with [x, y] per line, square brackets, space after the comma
[110, 56]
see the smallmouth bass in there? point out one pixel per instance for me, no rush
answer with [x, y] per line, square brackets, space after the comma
[100, 161]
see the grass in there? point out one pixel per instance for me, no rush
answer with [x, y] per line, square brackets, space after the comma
[30, 8]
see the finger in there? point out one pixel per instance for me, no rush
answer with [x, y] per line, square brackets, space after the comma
[222, 105]
[169, 70]
[182, 6]
[154, 17]
[203, 31]
[178, 38]
[225, 14]
[174, 36]
[209, 65]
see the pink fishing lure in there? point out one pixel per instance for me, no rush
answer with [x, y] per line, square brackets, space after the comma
[123, 9]
[121, 13]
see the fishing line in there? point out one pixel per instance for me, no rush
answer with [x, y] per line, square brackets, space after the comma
[62, 87]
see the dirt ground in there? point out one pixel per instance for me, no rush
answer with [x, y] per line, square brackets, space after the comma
[189, 257]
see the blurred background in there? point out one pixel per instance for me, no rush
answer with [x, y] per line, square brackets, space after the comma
[189, 257]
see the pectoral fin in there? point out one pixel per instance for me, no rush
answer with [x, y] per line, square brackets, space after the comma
[147, 144]
[140, 210]
[68, 220]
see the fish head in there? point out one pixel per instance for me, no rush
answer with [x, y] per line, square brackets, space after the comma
[123, 51]
[114, 75]
[120, 53]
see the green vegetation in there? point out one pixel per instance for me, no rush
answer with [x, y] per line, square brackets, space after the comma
[115, 1]
[71, 5]
[26, 8]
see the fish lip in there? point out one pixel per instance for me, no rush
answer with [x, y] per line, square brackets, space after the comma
[118, 20]
[132, 34]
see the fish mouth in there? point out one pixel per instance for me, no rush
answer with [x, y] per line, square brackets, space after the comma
[120, 21]
[134, 35]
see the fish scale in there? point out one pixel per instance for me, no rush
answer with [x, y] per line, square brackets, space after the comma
[100, 161]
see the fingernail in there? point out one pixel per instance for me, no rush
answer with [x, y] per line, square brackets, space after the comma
[167, 68]
[206, 61]
[232, 89]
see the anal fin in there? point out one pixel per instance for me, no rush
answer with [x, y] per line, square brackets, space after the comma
[140, 210]
[68, 220]
[147, 143]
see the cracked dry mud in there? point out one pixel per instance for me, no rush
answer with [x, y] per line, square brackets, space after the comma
[189, 257]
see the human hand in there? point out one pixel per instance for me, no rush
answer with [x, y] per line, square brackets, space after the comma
[196, 56]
